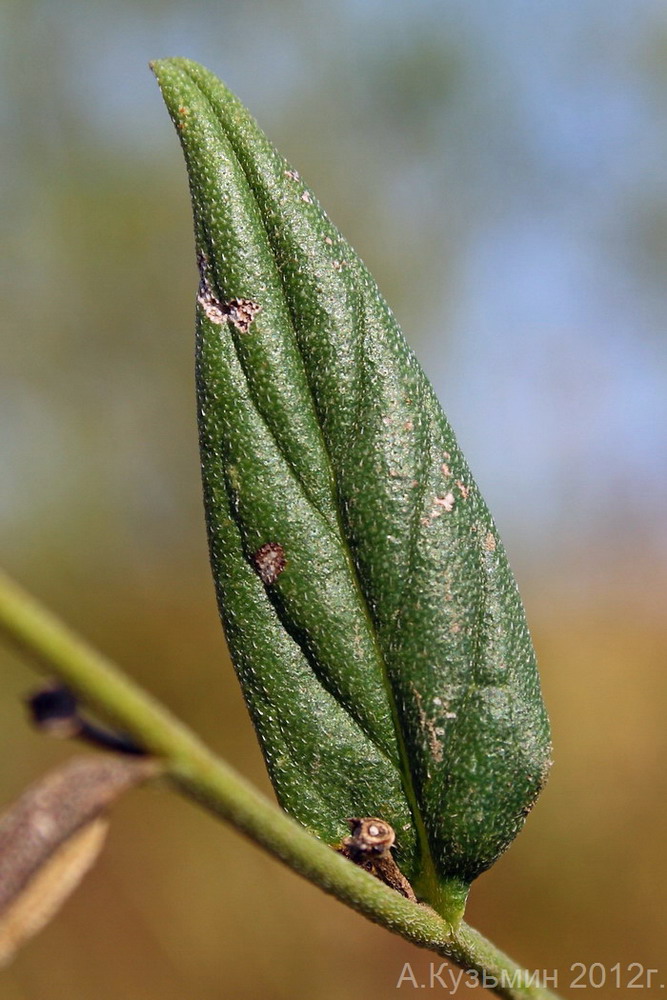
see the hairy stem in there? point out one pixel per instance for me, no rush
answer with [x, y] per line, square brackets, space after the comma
[196, 772]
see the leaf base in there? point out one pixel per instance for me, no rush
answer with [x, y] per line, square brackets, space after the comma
[447, 898]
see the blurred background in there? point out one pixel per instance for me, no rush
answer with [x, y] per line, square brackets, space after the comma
[502, 168]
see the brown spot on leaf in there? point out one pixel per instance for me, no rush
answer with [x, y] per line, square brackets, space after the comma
[447, 501]
[212, 306]
[490, 542]
[463, 489]
[269, 562]
[239, 312]
[293, 175]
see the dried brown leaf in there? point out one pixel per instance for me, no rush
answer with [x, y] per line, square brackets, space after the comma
[51, 836]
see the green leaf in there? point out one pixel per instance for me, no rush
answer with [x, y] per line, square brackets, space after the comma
[367, 601]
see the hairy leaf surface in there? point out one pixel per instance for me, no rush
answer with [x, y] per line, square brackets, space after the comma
[367, 600]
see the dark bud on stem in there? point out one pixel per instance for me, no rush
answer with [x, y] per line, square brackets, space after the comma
[369, 846]
[55, 710]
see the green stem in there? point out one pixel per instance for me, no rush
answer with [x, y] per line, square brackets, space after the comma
[199, 774]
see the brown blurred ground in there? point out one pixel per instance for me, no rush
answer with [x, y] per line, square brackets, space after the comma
[181, 906]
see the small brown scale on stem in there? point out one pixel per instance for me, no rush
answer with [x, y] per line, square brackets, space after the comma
[369, 846]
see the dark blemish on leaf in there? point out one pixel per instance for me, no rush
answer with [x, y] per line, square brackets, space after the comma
[463, 489]
[490, 542]
[328, 241]
[338, 265]
[446, 471]
[293, 175]
[307, 197]
[211, 305]
[239, 312]
[269, 562]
